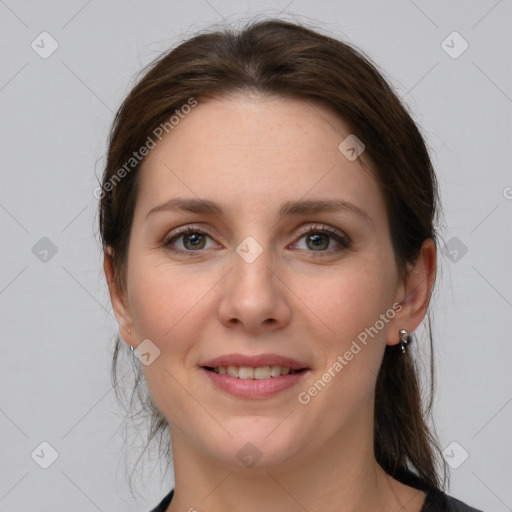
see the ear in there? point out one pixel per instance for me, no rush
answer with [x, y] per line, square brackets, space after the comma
[118, 300]
[414, 292]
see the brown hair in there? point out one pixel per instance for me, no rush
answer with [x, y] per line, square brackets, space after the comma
[275, 57]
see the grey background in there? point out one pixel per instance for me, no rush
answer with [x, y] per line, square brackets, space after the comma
[57, 325]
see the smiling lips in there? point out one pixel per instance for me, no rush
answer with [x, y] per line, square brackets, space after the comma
[254, 377]
[263, 366]
[258, 373]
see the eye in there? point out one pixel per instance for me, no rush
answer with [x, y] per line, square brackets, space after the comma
[189, 239]
[322, 239]
[317, 238]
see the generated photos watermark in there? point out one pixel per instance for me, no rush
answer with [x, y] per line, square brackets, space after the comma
[143, 151]
[304, 397]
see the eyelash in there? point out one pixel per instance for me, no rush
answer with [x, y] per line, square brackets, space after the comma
[339, 236]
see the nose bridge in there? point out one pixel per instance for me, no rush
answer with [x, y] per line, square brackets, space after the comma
[252, 268]
[252, 295]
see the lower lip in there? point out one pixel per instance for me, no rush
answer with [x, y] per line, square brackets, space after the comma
[254, 388]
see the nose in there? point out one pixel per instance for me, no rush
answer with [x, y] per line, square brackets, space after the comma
[254, 297]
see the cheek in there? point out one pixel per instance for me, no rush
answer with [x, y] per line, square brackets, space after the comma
[169, 304]
[349, 299]
[170, 307]
[350, 335]
[349, 306]
[173, 305]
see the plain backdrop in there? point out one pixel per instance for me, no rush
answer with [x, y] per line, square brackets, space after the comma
[57, 325]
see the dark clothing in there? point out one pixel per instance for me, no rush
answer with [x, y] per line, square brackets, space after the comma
[162, 507]
[435, 501]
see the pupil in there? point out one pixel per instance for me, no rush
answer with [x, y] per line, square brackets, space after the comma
[319, 241]
[196, 241]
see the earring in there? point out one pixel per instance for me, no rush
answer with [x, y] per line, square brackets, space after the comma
[405, 338]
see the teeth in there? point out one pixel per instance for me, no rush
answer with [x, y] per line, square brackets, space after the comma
[245, 372]
[232, 371]
[275, 371]
[259, 373]
[262, 372]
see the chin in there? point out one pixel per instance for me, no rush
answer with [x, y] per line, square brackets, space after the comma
[253, 448]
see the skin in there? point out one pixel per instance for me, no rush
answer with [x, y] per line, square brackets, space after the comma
[251, 154]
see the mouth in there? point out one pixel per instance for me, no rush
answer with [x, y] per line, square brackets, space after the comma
[254, 377]
[258, 373]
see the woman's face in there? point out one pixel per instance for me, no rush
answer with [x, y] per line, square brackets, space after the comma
[286, 262]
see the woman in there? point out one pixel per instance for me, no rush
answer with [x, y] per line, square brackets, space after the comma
[267, 214]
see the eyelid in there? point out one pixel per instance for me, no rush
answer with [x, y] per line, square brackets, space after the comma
[342, 238]
[188, 228]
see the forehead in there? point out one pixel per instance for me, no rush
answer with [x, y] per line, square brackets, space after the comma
[245, 150]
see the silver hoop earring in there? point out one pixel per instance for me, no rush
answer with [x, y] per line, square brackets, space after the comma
[405, 338]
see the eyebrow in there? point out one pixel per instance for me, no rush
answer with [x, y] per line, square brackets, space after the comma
[301, 207]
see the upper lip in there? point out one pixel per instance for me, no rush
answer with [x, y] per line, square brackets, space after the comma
[254, 361]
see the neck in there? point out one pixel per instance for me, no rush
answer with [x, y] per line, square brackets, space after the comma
[341, 475]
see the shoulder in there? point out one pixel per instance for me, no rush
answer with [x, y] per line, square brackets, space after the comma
[438, 501]
[454, 505]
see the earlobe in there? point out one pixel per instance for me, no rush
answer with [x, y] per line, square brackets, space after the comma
[414, 292]
[118, 300]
